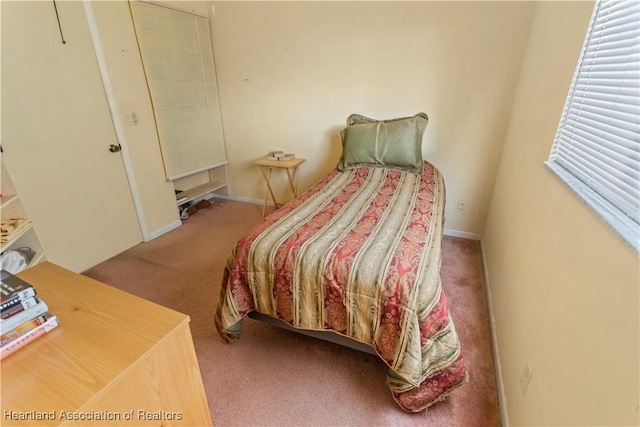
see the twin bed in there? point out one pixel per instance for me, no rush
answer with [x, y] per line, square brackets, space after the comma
[359, 255]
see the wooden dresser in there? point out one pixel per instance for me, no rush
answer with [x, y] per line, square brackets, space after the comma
[115, 360]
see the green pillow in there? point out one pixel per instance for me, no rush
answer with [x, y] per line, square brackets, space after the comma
[394, 143]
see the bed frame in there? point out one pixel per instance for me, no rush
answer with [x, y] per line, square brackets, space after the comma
[323, 335]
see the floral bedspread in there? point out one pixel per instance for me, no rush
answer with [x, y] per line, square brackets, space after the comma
[358, 254]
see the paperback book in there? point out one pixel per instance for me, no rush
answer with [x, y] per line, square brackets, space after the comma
[22, 329]
[50, 322]
[22, 317]
[12, 307]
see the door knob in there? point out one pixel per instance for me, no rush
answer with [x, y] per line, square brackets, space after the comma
[114, 148]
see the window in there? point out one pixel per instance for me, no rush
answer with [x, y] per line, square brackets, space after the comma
[596, 151]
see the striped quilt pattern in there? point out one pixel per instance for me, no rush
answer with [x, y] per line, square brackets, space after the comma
[358, 254]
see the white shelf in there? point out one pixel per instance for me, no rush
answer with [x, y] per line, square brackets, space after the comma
[7, 199]
[30, 239]
[199, 191]
[12, 207]
[16, 235]
[37, 259]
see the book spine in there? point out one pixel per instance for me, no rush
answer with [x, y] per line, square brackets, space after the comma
[7, 305]
[22, 329]
[21, 295]
[18, 319]
[18, 307]
[29, 337]
[16, 299]
[11, 285]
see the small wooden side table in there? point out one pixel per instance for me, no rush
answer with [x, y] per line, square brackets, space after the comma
[290, 166]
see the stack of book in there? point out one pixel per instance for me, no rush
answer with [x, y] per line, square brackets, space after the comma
[280, 156]
[23, 316]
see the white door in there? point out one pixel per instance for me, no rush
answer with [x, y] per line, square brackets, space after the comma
[56, 133]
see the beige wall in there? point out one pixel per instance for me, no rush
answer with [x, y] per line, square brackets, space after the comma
[289, 74]
[564, 287]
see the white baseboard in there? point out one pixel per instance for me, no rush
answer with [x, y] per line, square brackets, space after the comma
[502, 398]
[167, 228]
[462, 234]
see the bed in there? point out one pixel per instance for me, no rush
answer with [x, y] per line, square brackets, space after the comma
[359, 255]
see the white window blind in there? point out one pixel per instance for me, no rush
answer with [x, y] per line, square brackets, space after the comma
[176, 52]
[598, 138]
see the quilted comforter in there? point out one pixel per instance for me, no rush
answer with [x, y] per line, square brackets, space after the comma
[358, 254]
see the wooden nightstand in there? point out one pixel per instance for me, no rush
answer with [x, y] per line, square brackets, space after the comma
[290, 166]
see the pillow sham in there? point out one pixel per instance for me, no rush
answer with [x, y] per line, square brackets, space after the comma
[393, 143]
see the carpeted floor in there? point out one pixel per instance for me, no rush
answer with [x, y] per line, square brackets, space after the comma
[275, 377]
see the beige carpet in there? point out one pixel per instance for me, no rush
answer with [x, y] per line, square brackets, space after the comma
[276, 377]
